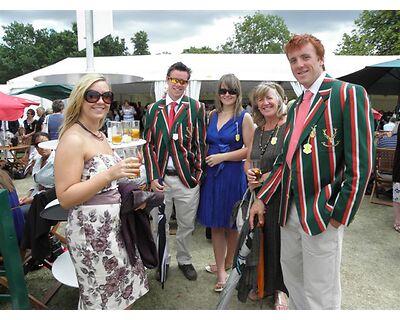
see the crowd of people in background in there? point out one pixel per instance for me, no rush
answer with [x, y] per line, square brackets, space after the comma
[20, 132]
[203, 159]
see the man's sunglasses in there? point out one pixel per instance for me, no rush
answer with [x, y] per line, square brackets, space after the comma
[230, 91]
[92, 96]
[176, 81]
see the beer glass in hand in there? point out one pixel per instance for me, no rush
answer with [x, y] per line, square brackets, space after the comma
[256, 169]
[133, 152]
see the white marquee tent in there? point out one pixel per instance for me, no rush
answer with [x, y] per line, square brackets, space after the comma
[206, 70]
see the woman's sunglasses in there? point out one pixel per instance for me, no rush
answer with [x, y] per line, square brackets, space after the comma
[230, 91]
[92, 96]
[180, 81]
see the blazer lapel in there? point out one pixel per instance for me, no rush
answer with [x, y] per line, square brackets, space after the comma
[289, 128]
[162, 120]
[317, 109]
[181, 113]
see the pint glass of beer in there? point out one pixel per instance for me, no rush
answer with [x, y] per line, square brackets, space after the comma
[256, 169]
[135, 130]
[135, 153]
[116, 132]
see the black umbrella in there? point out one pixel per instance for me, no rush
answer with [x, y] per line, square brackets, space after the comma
[238, 267]
[382, 78]
[48, 91]
[162, 245]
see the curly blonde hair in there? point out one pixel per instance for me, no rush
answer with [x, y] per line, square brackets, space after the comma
[261, 91]
[76, 100]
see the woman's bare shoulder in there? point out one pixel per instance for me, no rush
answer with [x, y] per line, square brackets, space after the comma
[248, 119]
[72, 139]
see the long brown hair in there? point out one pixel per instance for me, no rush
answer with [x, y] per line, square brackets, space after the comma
[231, 82]
[6, 181]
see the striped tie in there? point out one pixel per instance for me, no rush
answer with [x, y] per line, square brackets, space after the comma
[171, 115]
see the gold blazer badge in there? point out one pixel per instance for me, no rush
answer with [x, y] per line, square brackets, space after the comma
[330, 139]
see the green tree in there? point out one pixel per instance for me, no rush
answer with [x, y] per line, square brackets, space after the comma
[258, 34]
[228, 47]
[64, 44]
[25, 49]
[203, 49]
[140, 40]
[110, 46]
[376, 33]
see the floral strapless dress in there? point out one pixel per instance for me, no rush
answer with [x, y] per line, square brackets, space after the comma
[106, 278]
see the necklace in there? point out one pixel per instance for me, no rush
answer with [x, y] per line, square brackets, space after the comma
[272, 139]
[97, 135]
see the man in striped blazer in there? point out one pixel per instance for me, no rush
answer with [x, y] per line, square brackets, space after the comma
[323, 170]
[175, 151]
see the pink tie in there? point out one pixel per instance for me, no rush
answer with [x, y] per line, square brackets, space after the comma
[304, 108]
[171, 115]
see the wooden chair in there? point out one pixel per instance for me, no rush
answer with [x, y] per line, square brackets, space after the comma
[17, 156]
[383, 169]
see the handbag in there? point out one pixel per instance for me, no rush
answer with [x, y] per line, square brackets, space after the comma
[241, 209]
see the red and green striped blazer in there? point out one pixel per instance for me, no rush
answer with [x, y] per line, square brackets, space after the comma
[330, 181]
[186, 143]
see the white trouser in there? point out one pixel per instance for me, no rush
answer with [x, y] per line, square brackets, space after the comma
[311, 265]
[186, 201]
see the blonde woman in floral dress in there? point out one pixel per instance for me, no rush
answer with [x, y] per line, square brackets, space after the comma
[86, 174]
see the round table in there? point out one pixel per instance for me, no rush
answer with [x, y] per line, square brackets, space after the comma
[63, 270]
[53, 211]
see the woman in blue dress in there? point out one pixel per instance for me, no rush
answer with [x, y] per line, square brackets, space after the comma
[229, 134]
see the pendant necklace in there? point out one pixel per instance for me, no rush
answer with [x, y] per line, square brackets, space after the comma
[98, 136]
[272, 139]
[237, 136]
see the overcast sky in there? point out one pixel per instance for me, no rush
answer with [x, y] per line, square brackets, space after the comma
[173, 31]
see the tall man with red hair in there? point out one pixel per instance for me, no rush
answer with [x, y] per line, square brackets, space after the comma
[323, 170]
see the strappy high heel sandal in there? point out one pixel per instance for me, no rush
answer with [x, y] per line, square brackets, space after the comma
[212, 268]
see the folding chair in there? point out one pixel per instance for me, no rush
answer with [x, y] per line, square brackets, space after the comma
[383, 180]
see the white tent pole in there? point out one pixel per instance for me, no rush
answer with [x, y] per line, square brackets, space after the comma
[89, 40]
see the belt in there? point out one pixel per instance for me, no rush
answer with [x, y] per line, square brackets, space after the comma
[171, 172]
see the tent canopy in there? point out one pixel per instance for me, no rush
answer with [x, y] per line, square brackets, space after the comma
[48, 91]
[207, 68]
[382, 78]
